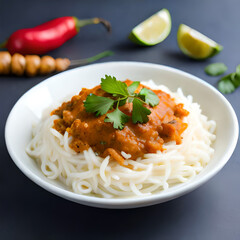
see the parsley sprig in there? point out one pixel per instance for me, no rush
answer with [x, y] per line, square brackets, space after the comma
[215, 69]
[121, 93]
[230, 82]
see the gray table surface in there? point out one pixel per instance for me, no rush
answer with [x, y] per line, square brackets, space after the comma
[210, 212]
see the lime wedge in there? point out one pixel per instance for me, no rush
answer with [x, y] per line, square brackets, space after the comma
[153, 30]
[196, 45]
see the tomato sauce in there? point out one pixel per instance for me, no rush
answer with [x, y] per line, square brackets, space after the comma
[165, 124]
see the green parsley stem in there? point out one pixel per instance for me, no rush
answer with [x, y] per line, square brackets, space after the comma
[118, 103]
[123, 98]
[140, 100]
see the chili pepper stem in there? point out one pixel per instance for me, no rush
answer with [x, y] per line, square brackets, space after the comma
[91, 59]
[3, 44]
[84, 22]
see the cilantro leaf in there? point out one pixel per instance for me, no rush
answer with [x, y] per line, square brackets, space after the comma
[238, 70]
[111, 85]
[133, 87]
[97, 104]
[122, 102]
[139, 112]
[215, 69]
[118, 118]
[225, 85]
[230, 76]
[149, 97]
[230, 82]
[236, 78]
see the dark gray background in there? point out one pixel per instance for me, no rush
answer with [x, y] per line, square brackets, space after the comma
[210, 212]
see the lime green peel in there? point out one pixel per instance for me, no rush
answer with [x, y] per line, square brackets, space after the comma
[196, 45]
[153, 30]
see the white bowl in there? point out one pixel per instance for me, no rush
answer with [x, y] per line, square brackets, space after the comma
[29, 108]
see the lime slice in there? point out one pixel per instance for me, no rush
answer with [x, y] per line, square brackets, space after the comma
[196, 45]
[153, 30]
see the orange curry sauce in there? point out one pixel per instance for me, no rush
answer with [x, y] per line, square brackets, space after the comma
[165, 124]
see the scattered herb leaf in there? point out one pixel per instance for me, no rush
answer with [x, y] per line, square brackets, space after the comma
[226, 86]
[149, 97]
[97, 104]
[238, 70]
[230, 82]
[133, 87]
[236, 79]
[139, 112]
[215, 69]
[118, 118]
[229, 76]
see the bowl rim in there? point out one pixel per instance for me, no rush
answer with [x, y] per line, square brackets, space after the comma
[111, 202]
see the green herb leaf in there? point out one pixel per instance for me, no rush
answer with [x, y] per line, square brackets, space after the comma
[101, 105]
[97, 104]
[139, 112]
[215, 69]
[229, 76]
[238, 70]
[236, 78]
[133, 87]
[111, 85]
[149, 97]
[230, 82]
[118, 118]
[130, 99]
[122, 102]
[225, 85]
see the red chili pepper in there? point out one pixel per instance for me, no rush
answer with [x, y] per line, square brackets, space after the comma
[48, 36]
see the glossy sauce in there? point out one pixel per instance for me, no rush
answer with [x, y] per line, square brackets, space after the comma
[165, 124]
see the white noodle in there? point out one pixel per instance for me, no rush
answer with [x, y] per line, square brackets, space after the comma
[89, 174]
